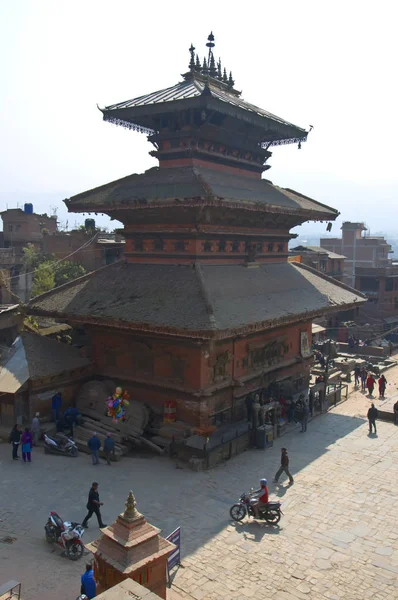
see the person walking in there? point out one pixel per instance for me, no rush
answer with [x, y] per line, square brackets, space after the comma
[382, 386]
[94, 444]
[14, 439]
[373, 413]
[396, 413]
[357, 374]
[56, 405]
[304, 418]
[370, 384]
[35, 428]
[27, 441]
[284, 468]
[249, 405]
[364, 375]
[93, 506]
[109, 448]
[88, 584]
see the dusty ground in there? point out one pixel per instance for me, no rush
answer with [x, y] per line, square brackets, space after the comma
[338, 537]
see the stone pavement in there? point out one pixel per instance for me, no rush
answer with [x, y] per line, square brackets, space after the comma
[338, 537]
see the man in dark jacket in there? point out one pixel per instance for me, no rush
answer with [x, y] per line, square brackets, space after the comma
[94, 444]
[284, 467]
[93, 506]
[14, 439]
[373, 413]
[109, 448]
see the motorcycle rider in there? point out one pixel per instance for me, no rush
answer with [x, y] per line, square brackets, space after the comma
[260, 504]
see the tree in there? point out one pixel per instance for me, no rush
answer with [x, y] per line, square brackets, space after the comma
[67, 271]
[43, 279]
[32, 258]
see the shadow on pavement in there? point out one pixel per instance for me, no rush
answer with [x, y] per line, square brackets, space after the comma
[254, 531]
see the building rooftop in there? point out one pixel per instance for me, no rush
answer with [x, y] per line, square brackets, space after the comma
[195, 88]
[205, 86]
[33, 356]
[197, 301]
[193, 185]
[318, 250]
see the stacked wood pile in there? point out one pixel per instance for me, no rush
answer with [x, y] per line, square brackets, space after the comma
[91, 401]
[84, 432]
[165, 434]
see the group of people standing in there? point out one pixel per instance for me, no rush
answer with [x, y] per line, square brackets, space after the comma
[368, 381]
[25, 438]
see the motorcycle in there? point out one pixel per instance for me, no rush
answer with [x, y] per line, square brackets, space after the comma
[66, 534]
[60, 444]
[272, 513]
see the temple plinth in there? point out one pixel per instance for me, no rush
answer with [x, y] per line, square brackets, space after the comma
[131, 548]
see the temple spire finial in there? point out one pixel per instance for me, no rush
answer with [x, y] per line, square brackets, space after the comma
[198, 67]
[192, 61]
[231, 82]
[210, 61]
[205, 70]
[219, 70]
[225, 76]
[131, 512]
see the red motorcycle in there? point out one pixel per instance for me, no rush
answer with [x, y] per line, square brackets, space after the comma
[66, 534]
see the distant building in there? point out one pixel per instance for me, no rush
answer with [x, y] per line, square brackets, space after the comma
[104, 249]
[320, 259]
[359, 250]
[369, 269]
[21, 227]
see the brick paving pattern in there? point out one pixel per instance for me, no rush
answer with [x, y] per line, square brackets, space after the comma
[338, 538]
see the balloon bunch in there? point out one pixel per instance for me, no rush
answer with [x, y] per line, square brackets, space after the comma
[117, 404]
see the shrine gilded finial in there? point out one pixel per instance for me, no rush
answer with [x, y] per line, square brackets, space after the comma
[198, 66]
[192, 61]
[131, 512]
[219, 70]
[210, 68]
[210, 61]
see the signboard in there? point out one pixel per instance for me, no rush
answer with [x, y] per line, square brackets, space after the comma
[174, 558]
[305, 348]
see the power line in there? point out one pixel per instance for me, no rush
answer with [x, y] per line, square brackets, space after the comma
[56, 263]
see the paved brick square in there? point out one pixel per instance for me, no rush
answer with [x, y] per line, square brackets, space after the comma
[338, 537]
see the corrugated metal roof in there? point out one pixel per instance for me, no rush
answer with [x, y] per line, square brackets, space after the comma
[34, 356]
[15, 372]
[193, 89]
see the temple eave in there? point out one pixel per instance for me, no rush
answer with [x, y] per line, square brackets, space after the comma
[198, 334]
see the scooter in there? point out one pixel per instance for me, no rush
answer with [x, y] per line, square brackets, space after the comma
[66, 534]
[60, 444]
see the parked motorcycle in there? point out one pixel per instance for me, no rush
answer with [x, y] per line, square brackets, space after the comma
[66, 534]
[60, 444]
[272, 514]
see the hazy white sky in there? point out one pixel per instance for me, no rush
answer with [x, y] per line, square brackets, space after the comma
[329, 64]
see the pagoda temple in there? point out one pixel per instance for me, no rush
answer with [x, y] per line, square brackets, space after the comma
[204, 307]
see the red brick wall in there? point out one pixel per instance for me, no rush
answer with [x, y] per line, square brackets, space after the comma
[155, 370]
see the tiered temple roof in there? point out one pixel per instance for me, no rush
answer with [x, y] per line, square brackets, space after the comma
[197, 301]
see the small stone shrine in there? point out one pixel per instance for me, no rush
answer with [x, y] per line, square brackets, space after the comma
[131, 548]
